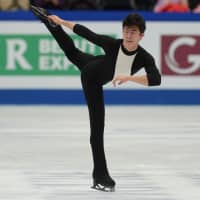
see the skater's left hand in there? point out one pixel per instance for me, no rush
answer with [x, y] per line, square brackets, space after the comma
[120, 79]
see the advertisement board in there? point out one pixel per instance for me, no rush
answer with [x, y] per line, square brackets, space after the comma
[31, 58]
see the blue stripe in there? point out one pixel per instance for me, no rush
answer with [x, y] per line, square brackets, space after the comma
[101, 16]
[112, 97]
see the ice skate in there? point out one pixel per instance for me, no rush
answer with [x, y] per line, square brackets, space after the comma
[106, 184]
[42, 14]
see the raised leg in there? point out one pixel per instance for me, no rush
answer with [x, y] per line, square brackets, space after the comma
[77, 57]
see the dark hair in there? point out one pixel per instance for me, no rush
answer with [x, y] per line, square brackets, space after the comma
[135, 20]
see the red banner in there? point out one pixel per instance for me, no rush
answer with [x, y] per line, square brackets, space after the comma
[180, 55]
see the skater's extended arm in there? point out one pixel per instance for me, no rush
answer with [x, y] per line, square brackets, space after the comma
[101, 40]
[63, 22]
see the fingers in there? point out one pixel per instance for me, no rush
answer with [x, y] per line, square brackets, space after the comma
[120, 82]
[55, 19]
[117, 81]
[114, 82]
[51, 17]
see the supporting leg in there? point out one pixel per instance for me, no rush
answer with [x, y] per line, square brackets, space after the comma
[94, 96]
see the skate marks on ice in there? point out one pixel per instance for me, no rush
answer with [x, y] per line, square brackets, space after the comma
[153, 153]
[148, 184]
[59, 185]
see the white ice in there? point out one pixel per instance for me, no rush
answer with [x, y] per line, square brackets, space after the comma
[152, 153]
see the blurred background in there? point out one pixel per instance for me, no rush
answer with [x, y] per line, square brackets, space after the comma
[33, 70]
[146, 5]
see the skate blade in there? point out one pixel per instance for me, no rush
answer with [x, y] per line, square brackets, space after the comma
[103, 188]
[42, 15]
[38, 12]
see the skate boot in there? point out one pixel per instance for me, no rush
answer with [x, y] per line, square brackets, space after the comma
[105, 184]
[42, 14]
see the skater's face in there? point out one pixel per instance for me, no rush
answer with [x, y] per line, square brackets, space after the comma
[132, 35]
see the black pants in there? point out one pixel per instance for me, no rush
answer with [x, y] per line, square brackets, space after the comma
[93, 76]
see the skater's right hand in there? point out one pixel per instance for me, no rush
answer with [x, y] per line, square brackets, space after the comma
[59, 21]
[56, 19]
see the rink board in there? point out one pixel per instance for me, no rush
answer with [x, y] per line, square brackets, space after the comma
[33, 70]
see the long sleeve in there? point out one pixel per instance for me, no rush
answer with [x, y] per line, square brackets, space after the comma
[153, 75]
[103, 41]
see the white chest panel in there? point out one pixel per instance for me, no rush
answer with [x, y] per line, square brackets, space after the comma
[124, 63]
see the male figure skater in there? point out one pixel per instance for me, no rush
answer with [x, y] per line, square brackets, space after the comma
[122, 59]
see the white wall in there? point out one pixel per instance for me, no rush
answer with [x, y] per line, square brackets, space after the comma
[184, 36]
